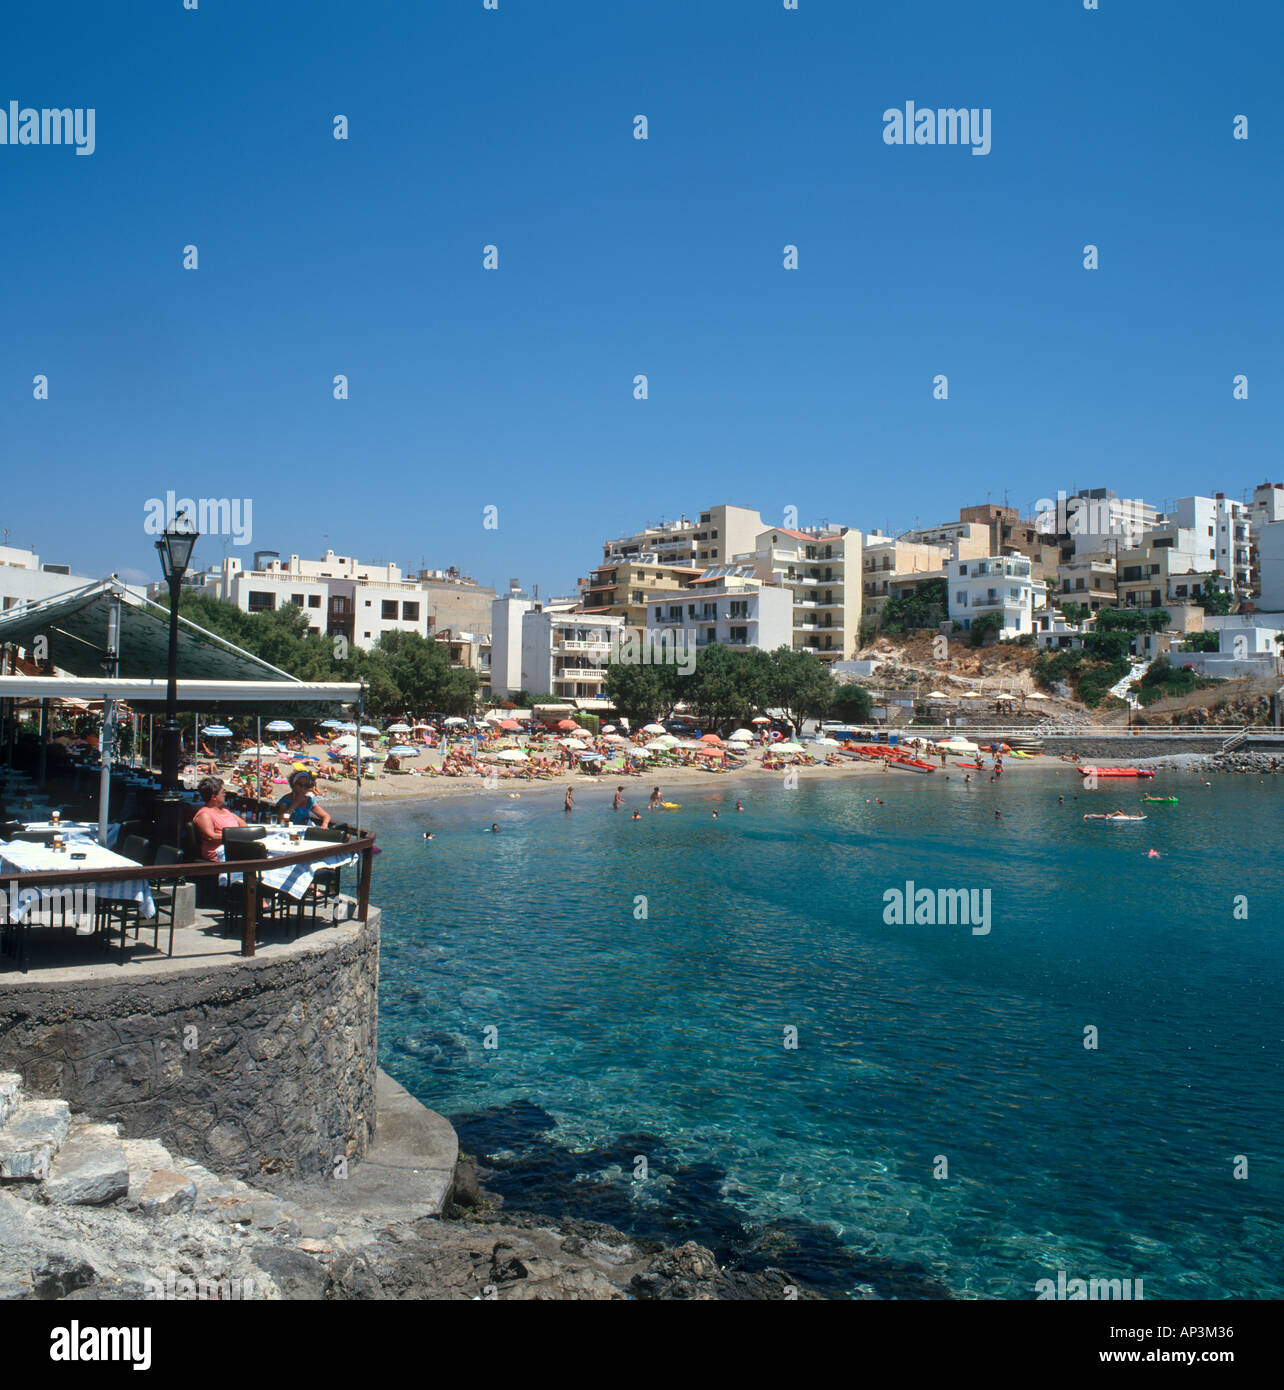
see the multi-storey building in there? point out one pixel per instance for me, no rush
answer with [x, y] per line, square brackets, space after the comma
[625, 587]
[888, 561]
[455, 601]
[23, 579]
[1221, 526]
[971, 538]
[821, 569]
[1001, 584]
[1088, 579]
[1008, 533]
[1270, 555]
[468, 651]
[565, 653]
[338, 594]
[714, 538]
[1170, 565]
[732, 607]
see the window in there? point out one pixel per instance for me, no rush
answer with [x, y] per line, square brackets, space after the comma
[739, 635]
[387, 609]
[962, 571]
[262, 601]
[297, 599]
[314, 600]
[739, 608]
[410, 612]
[961, 598]
[339, 603]
[367, 634]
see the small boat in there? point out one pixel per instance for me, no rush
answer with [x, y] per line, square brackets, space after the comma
[1117, 771]
[979, 767]
[911, 765]
[1161, 800]
[1108, 816]
[677, 805]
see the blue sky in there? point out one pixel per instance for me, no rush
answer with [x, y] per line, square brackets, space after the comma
[514, 388]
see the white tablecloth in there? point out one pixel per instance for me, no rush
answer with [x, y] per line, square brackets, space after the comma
[25, 857]
[78, 829]
[294, 879]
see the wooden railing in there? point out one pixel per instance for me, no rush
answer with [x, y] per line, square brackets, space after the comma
[250, 870]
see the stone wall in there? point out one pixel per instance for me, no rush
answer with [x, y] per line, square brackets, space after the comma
[250, 1066]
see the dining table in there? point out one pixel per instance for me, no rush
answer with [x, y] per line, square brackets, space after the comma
[293, 880]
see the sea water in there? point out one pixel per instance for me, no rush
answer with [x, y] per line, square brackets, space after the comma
[715, 1029]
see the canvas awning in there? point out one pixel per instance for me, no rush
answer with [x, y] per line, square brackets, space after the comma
[216, 676]
[222, 697]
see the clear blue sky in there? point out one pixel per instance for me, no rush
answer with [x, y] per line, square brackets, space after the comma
[514, 388]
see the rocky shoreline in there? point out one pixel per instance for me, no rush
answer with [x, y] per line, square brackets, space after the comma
[1235, 762]
[88, 1215]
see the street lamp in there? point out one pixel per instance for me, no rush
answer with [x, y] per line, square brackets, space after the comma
[175, 548]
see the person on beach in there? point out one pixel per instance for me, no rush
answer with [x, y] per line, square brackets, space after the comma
[619, 794]
[654, 803]
[212, 819]
[569, 803]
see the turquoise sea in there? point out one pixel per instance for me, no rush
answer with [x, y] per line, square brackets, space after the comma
[940, 1128]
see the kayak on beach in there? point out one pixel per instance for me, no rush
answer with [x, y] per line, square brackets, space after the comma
[1116, 771]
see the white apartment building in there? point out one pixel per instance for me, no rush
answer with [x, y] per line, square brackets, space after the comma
[1267, 505]
[714, 538]
[1001, 584]
[1221, 530]
[731, 608]
[1270, 561]
[564, 653]
[888, 560]
[506, 614]
[821, 569]
[23, 579]
[338, 593]
[1088, 579]
[971, 537]
[1169, 566]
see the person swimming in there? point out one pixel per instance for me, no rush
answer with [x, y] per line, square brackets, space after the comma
[427, 834]
[637, 815]
[739, 806]
[569, 803]
[715, 815]
[494, 827]
[654, 803]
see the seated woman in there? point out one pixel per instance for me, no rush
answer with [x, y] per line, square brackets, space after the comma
[299, 804]
[212, 819]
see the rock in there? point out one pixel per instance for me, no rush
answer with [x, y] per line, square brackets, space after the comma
[467, 1191]
[31, 1136]
[10, 1085]
[295, 1274]
[89, 1169]
[60, 1272]
[144, 1157]
[314, 1247]
[167, 1192]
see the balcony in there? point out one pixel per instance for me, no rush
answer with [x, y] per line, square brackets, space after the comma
[567, 645]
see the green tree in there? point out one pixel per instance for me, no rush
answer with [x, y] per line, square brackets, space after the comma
[926, 606]
[983, 626]
[852, 703]
[636, 691]
[1075, 612]
[1213, 599]
[800, 685]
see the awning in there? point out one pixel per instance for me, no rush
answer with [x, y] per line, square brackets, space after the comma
[222, 697]
[75, 625]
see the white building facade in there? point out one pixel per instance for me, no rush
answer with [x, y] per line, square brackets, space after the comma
[744, 616]
[564, 653]
[1001, 584]
[1221, 533]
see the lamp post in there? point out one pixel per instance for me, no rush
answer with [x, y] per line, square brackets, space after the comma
[175, 548]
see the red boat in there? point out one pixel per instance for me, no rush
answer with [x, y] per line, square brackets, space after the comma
[1116, 771]
[910, 764]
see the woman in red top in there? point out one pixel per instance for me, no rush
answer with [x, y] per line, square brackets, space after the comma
[212, 819]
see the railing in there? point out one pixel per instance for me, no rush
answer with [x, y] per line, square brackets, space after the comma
[250, 870]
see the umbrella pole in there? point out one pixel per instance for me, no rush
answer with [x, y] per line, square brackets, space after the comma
[361, 709]
[258, 763]
[150, 761]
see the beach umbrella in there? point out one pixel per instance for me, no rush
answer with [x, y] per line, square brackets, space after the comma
[692, 743]
[741, 736]
[217, 731]
[760, 719]
[608, 728]
[1034, 695]
[937, 695]
[369, 729]
[786, 747]
[511, 755]
[567, 724]
[259, 750]
[346, 728]
[591, 758]
[510, 724]
[825, 742]
[397, 728]
[710, 738]
[572, 743]
[616, 738]
[454, 720]
[653, 728]
[332, 724]
[279, 726]
[404, 750]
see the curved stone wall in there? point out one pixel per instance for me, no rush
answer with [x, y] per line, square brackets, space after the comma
[256, 1065]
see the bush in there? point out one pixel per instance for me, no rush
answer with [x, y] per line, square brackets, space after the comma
[983, 626]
